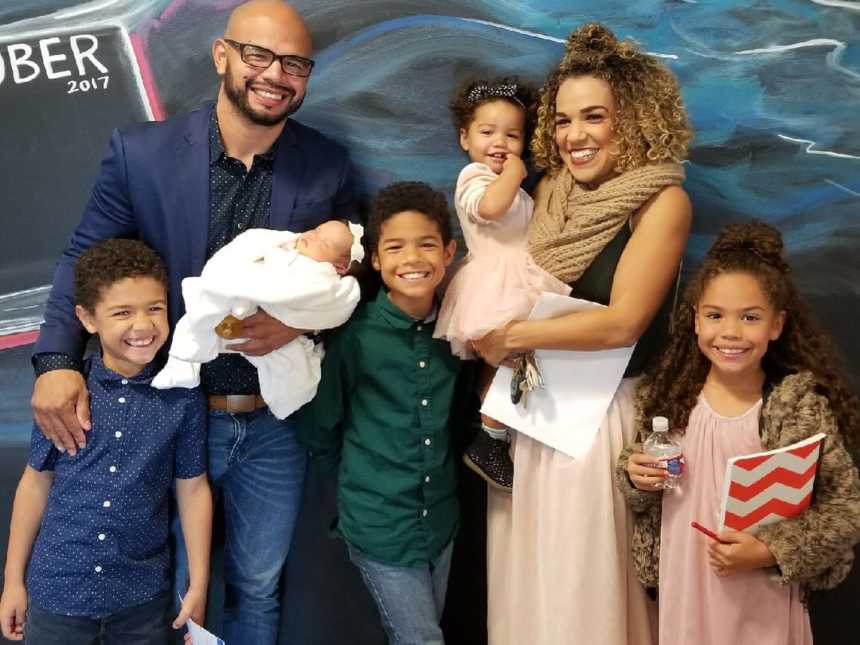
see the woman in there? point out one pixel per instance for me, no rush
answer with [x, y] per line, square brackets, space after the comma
[611, 220]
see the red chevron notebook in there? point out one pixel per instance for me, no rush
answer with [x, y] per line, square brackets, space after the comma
[767, 487]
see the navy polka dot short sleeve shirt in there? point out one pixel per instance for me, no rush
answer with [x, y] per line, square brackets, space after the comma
[102, 545]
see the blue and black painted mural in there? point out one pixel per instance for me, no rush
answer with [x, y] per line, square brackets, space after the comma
[773, 88]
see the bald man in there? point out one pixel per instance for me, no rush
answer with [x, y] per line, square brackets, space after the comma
[186, 187]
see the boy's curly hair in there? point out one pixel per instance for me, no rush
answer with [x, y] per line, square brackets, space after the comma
[408, 196]
[109, 261]
[755, 249]
[473, 94]
[650, 124]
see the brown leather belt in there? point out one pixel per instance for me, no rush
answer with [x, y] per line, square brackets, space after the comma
[236, 402]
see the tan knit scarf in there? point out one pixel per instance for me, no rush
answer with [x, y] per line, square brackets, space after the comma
[572, 225]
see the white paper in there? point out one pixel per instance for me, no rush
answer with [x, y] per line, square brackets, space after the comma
[578, 387]
[202, 636]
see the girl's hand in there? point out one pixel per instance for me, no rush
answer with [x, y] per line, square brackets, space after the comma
[194, 607]
[13, 610]
[514, 165]
[644, 473]
[492, 348]
[742, 552]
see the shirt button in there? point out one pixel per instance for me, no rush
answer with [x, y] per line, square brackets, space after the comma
[106, 503]
[101, 537]
[420, 327]
[124, 381]
[422, 364]
[427, 442]
[424, 402]
[117, 434]
[98, 568]
[424, 513]
[427, 479]
[121, 399]
[112, 469]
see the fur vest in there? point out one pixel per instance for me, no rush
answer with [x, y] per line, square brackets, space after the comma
[813, 549]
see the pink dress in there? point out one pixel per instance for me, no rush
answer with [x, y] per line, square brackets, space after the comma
[497, 281]
[697, 606]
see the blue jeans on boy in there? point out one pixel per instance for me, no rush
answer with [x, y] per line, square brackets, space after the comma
[258, 468]
[146, 624]
[410, 599]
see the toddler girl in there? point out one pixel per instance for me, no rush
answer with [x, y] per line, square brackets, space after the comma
[497, 282]
[746, 370]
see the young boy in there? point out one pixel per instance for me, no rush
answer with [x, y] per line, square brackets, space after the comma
[383, 412]
[94, 526]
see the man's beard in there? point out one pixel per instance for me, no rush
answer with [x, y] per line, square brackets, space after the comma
[238, 96]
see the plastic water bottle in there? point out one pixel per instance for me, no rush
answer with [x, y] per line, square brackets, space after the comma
[666, 451]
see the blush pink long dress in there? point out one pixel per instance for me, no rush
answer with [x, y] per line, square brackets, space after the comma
[697, 606]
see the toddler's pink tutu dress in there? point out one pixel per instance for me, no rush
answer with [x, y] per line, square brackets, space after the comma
[498, 281]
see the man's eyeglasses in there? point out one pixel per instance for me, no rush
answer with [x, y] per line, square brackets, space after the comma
[262, 58]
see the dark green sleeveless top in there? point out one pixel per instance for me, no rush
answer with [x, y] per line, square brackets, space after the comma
[595, 284]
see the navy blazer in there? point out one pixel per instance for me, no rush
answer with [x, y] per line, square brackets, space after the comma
[154, 185]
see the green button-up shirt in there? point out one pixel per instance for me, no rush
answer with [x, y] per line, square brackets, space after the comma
[383, 411]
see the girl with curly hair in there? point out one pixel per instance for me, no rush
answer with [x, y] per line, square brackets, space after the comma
[746, 370]
[497, 281]
[611, 220]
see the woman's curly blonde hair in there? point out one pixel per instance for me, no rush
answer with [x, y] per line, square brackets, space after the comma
[651, 123]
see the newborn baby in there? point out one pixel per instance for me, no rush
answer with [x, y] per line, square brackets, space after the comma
[296, 278]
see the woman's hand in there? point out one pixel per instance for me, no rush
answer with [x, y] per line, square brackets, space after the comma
[738, 551]
[644, 473]
[493, 348]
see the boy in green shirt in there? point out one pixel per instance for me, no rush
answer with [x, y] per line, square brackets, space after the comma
[382, 413]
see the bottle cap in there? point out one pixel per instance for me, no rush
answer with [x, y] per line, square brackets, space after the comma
[660, 424]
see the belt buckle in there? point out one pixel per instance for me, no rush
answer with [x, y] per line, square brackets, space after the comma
[240, 402]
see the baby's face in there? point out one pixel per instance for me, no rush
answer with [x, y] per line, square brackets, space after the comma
[329, 242]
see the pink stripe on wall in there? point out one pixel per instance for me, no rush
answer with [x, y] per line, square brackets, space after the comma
[149, 86]
[16, 340]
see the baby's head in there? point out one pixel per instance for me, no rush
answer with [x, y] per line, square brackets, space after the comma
[334, 242]
[494, 118]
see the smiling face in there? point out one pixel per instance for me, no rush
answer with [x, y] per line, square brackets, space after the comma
[329, 242]
[734, 323]
[263, 96]
[130, 319]
[497, 129]
[585, 114]
[411, 259]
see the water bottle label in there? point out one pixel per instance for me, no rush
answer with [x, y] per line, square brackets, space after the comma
[675, 465]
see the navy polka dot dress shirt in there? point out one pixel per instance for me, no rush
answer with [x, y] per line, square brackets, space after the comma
[239, 199]
[102, 545]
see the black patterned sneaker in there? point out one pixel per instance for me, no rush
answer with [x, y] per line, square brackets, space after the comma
[490, 458]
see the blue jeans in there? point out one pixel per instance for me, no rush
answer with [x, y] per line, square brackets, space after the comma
[410, 599]
[258, 467]
[145, 624]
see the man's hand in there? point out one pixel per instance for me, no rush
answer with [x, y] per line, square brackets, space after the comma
[738, 551]
[264, 334]
[61, 408]
[13, 610]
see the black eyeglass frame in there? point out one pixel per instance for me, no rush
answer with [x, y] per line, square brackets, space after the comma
[241, 47]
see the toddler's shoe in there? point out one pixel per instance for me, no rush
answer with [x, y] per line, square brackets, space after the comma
[490, 459]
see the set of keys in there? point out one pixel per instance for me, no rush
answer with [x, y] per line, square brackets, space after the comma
[526, 378]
